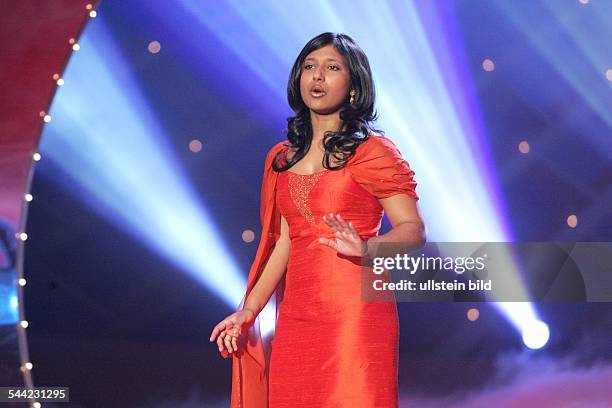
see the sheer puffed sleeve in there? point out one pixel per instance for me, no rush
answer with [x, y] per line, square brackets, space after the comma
[379, 168]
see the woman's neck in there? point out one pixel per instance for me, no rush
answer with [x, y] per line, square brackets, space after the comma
[323, 123]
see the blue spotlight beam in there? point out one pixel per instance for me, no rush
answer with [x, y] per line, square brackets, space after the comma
[105, 137]
[426, 108]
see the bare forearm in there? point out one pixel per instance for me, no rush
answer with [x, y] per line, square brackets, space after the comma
[411, 234]
[270, 277]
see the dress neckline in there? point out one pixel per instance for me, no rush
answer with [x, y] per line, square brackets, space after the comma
[308, 175]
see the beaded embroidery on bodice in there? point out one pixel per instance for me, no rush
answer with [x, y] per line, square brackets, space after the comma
[299, 188]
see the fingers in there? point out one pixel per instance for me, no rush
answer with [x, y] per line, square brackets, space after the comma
[220, 340]
[329, 242]
[336, 222]
[218, 329]
[343, 230]
[339, 224]
[332, 222]
[227, 340]
[346, 236]
[227, 334]
[344, 225]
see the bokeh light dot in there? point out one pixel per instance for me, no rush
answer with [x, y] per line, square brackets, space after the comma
[572, 221]
[609, 74]
[524, 147]
[248, 235]
[488, 65]
[473, 314]
[195, 145]
[154, 47]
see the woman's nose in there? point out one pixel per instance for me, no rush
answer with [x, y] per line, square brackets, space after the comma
[317, 73]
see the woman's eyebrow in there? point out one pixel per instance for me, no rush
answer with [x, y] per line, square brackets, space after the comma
[327, 59]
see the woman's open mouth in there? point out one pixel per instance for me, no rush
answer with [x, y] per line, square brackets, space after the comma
[317, 93]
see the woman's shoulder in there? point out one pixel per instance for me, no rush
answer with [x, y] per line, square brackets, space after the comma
[375, 146]
[379, 167]
[380, 142]
[279, 145]
[283, 144]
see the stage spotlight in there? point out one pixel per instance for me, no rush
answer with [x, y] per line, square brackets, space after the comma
[420, 63]
[425, 94]
[9, 310]
[535, 334]
[113, 153]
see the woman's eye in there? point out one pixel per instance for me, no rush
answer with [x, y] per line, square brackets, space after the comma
[307, 66]
[334, 67]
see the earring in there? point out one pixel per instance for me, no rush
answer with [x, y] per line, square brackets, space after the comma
[352, 93]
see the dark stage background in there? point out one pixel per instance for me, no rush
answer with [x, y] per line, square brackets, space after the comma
[145, 212]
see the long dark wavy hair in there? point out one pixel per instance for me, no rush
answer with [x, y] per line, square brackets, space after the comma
[357, 118]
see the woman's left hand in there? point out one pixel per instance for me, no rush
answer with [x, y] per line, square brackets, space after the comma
[347, 240]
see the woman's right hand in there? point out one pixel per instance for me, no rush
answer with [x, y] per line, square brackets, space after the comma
[229, 331]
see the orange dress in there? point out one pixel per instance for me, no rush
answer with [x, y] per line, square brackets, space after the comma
[330, 348]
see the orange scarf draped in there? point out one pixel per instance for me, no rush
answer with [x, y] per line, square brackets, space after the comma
[250, 368]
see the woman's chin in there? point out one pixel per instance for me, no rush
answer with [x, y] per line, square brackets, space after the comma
[321, 109]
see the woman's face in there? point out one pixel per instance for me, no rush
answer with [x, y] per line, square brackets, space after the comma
[325, 81]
